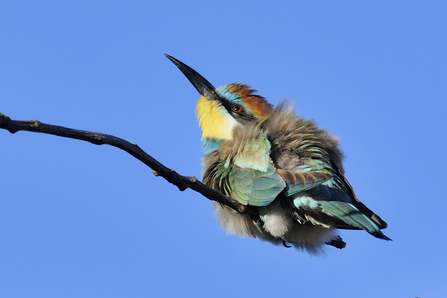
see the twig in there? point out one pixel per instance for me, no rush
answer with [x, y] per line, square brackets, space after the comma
[182, 182]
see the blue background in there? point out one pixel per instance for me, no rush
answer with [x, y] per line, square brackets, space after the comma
[79, 220]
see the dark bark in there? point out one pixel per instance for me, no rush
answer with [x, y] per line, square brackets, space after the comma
[182, 182]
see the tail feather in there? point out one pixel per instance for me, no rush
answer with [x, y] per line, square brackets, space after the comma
[349, 214]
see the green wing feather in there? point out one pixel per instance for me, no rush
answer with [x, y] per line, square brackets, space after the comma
[349, 214]
[242, 169]
[254, 187]
[318, 191]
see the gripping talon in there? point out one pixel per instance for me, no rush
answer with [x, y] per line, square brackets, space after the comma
[285, 244]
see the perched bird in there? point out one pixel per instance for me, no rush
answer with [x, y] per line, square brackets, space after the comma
[284, 166]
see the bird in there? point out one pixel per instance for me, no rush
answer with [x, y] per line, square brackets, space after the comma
[281, 165]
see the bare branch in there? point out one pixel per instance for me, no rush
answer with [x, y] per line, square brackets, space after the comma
[182, 182]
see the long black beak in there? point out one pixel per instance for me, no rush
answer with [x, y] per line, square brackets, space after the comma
[202, 85]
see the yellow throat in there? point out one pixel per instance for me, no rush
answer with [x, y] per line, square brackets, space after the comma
[215, 123]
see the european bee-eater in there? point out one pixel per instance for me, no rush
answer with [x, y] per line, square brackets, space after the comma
[290, 170]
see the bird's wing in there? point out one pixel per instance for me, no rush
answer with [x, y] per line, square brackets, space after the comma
[254, 187]
[330, 201]
[344, 205]
[303, 152]
[245, 171]
[303, 178]
[246, 185]
[242, 168]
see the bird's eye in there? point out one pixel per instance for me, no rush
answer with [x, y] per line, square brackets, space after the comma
[236, 108]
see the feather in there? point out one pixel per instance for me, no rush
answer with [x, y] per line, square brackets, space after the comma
[284, 165]
[290, 169]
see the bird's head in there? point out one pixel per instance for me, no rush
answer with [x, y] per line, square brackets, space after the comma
[220, 110]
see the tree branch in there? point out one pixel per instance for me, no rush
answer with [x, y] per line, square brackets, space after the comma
[182, 182]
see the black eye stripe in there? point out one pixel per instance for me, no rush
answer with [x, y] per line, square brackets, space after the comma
[242, 116]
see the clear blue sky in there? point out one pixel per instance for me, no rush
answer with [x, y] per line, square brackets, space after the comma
[79, 220]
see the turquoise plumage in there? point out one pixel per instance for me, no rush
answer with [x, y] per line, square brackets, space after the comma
[283, 165]
[242, 169]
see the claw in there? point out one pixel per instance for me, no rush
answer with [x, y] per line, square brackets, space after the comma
[285, 244]
[337, 242]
